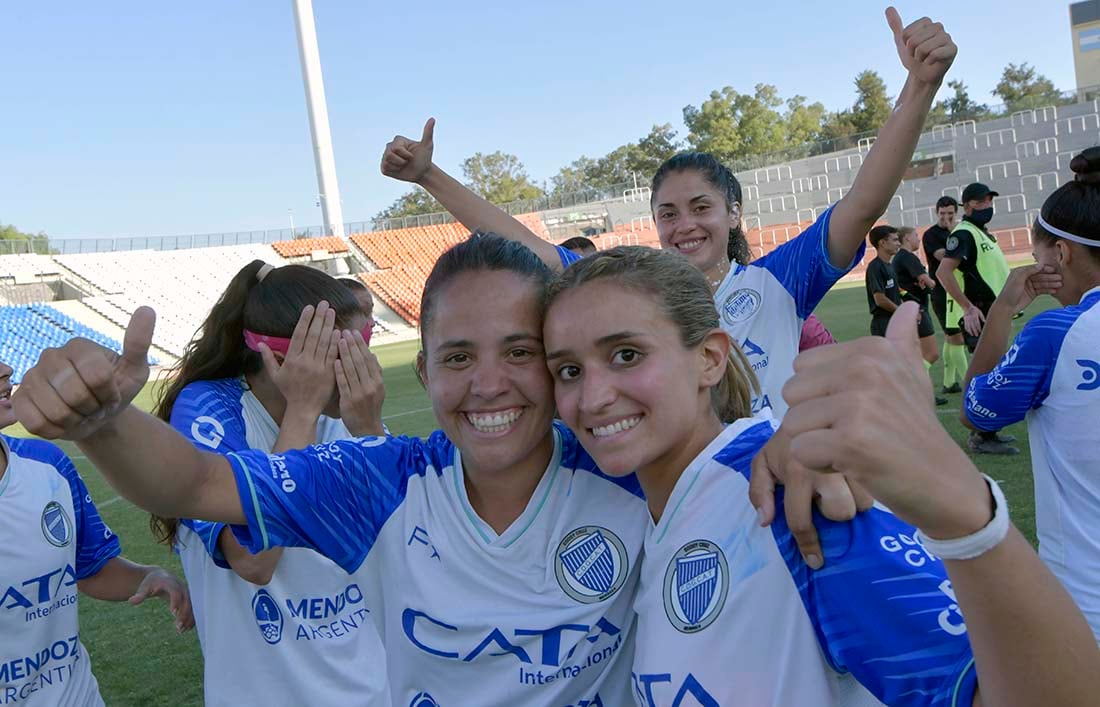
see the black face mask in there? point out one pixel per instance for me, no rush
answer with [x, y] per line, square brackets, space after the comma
[981, 216]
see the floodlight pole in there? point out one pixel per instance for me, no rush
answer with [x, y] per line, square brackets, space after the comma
[329, 196]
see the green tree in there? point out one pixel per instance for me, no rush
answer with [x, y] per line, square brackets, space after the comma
[958, 106]
[658, 145]
[1021, 86]
[621, 165]
[413, 203]
[33, 242]
[872, 106]
[731, 124]
[575, 176]
[499, 177]
[803, 122]
[837, 125]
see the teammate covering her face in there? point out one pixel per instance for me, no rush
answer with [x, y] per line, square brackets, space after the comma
[263, 375]
[1050, 376]
[498, 563]
[646, 379]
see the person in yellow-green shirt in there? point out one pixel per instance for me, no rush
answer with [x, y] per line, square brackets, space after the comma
[973, 270]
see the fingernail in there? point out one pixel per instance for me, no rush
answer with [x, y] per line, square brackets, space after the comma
[814, 562]
[760, 517]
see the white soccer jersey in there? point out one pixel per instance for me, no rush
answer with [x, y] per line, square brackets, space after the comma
[306, 638]
[763, 305]
[51, 536]
[1051, 376]
[539, 616]
[728, 614]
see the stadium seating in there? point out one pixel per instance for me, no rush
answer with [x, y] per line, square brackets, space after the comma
[404, 257]
[300, 247]
[534, 222]
[24, 268]
[181, 285]
[28, 330]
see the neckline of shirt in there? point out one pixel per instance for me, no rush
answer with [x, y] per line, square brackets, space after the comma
[690, 475]
[1089, 293]
[526, 519]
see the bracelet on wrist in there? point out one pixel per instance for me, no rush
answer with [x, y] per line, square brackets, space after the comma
[978, 543]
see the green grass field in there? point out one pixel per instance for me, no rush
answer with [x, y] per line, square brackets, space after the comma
[136, 654]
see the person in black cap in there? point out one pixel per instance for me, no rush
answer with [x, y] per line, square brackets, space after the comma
[973, 271]
[916, 285]
[883, 295]
[935, 245]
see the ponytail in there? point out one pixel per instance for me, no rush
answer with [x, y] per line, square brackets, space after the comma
[732, 397]
[737, 249]
[1074, 207]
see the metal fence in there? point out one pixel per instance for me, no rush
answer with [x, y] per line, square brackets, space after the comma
[65, 246]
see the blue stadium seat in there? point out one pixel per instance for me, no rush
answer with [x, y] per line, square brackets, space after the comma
[27, 330]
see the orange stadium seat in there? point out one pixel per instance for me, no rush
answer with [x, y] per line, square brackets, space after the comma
[405, 257]
[300, 247]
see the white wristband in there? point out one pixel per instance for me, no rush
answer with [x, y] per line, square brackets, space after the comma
[975, 544]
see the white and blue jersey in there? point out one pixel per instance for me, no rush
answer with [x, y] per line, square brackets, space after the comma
[763, 305]
[1050, 376]
[304, 638]
[51, 537]
[728, 614]
[540, 615]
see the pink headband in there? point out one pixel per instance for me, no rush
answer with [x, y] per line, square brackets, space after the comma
[281, 344]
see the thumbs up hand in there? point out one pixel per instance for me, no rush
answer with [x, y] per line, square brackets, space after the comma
[74, 390]
[864, 409]
[925, 48]
[409, 160]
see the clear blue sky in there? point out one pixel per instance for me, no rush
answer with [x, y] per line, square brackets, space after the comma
[149, 118]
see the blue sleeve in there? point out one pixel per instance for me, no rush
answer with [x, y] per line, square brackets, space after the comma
[207, 414]
[803, 267]
[209, 533]
[333, 498]
[1021, 381]
[567, 256]
[884, 610]
[96, 544]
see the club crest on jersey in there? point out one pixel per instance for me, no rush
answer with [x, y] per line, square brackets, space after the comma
[423, 699]
[696, 584]
[741, 305]
[56, 525]
[268, 617]
[591, 564]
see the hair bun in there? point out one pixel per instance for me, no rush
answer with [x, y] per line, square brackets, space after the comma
[1086, 166]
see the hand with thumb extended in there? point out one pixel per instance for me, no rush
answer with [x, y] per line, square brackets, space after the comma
[76, 389]
[925, 48]
[409, 160]
[864, 408]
